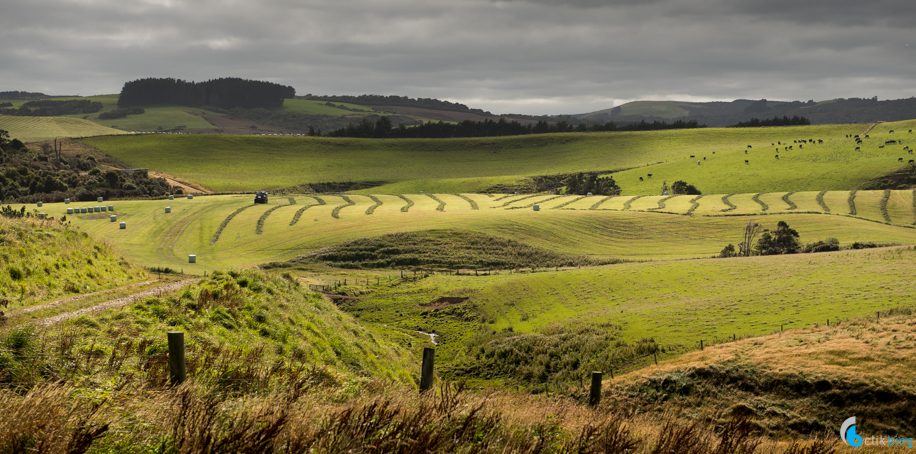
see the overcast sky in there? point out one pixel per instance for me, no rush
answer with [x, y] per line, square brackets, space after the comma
[515, 56]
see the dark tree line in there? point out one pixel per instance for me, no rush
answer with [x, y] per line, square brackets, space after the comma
[223, 93]
[121, 113]
[20, 95]
[380, 100]
[49, 108]
[776, 121]
[383, 128]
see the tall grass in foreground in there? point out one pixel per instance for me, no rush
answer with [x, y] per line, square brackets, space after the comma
[188, 419]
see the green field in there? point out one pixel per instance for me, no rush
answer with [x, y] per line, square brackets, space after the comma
[33, 129]
[155, 238]
[226, 163]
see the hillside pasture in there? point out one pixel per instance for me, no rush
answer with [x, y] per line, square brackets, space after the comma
[156, 238]
[474, 165]
[35, 129]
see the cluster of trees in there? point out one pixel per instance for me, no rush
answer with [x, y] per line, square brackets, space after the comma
[583, 183]
[121, 113]
[20, 95]
[783, 240]
[30, 176]
[682, 188]
[384, 128]
[776, 121]
[314, 124]
[50, 108]
[224, 93]
[403, 101]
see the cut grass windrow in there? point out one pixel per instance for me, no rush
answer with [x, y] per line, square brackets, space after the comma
[405, 208]
[301, 210]
[694, 204]
[377, 204]
[661, 203]
[731, 206]
[222, 225]
[852, 202]
[336, 213]
[505, 204]
[259, 229]
[763, 205]
[598, 203]
[469, 200]
[785, 198]
[883, 206]
[820, 201]
[497, 199]
[441, 206]
[914, 206]
[626, 205]
[568, 202]
[533, 203]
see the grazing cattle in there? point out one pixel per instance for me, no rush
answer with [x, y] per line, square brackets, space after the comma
[857, 148]
[704, 158]
[750, 146]
[692, 156]
[745, 151]
[745, 161]
[911, 161]
[772, 144]
[650, 175]
[800, 146]
[780, 143]
[880, 146]
[794, 141]
[820, 140]
[866, 136]
[777, 156]
[911, 130]
[640, 179]
[713, 152]
[790, 147]
[892, 131]
[698, 162]
[890, 141]
[899, 159]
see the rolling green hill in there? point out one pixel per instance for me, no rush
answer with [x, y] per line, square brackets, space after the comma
[34, 129]
[228, 231]
[473, 165]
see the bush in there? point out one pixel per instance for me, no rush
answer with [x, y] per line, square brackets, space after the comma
[682, 188]
[828, 245]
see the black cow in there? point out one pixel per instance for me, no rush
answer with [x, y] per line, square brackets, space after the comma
[692, 156]
[866, 136]
[750, 146]
[745, 151]
[892, 131]
[899, 159]
[890, 141]
[704, 158]
[777, 156]
[800, 146]
[857, 148]
[650, 175]
[911, 130]
[746, 162]
[911, 161]
[820, 140]
[780, 143]
[640, 179]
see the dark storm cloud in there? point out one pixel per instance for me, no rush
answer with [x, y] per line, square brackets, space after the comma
[530, 56]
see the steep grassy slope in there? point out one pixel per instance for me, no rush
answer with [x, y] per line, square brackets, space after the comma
[42, 261]
[473, 165]
[803, 381]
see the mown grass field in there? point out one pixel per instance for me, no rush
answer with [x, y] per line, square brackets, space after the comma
[34, 129]
[226, 163]
[156, 238]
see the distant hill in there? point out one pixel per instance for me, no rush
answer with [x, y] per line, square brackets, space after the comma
[836, 111]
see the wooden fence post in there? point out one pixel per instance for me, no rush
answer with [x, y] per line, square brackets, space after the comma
[701, 344]
[177, 365]
[594, 395]
[426, 371]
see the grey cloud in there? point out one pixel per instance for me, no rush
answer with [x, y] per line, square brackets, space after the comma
[529, 56]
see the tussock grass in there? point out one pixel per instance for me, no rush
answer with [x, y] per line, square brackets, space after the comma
[43, 260]
[442, 249]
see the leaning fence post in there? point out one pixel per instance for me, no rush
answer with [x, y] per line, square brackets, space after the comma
[594, 396]
[177, 366]
[426, 371]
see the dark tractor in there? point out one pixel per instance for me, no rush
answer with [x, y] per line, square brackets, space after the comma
[260, 197]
